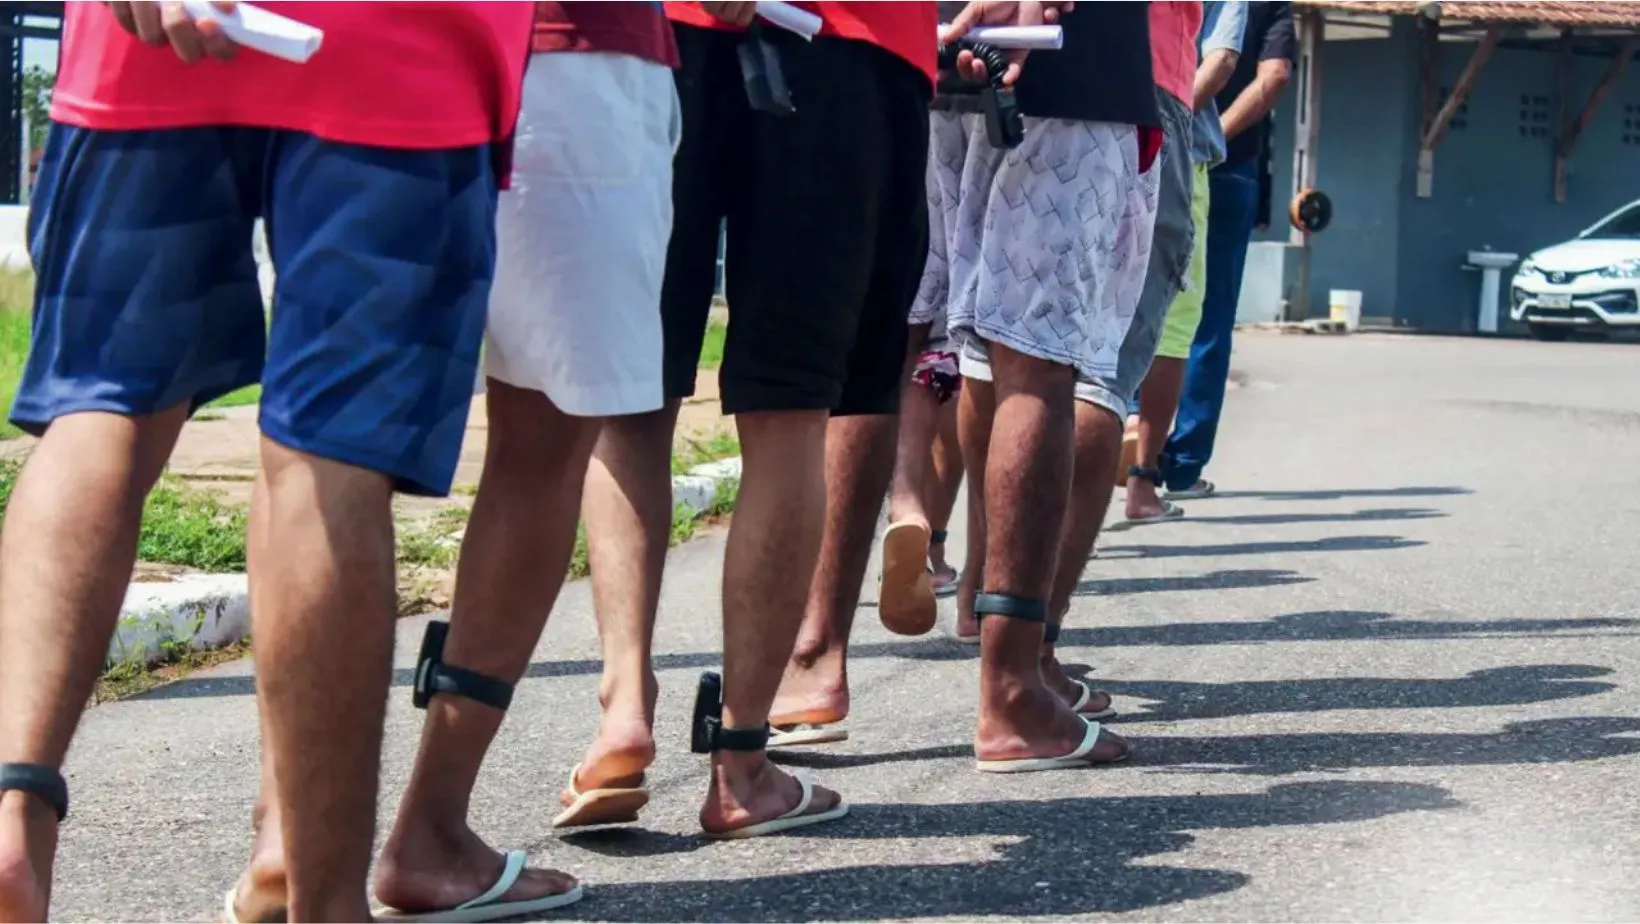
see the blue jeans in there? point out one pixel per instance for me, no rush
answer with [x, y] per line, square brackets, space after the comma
[1233, 200]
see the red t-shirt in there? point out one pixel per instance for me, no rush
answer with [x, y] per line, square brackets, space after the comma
[1173, 28]
[637, 29]
[414, 75]
[908, 29]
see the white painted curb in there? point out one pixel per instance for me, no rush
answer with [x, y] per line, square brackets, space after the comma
[196, 612]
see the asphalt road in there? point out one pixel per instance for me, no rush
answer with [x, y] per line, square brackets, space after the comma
[1389, 675]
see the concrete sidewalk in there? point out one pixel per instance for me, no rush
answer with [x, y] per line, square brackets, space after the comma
[1392, 673]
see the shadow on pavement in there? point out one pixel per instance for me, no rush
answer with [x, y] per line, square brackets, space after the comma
[1217, 580]
[1300, 547]
[1542, 741]
[1347, 493]
[1289, 519]
[1338, 625]
[1502, 686]
[1053, 858]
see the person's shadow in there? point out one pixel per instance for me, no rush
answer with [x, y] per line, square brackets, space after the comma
[1500, 686]
[1055, 858]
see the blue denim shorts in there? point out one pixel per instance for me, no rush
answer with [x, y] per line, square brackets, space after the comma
[147, 294]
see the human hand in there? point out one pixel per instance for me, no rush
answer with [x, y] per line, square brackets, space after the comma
[993, 13]
[739, 14]
[160, 23]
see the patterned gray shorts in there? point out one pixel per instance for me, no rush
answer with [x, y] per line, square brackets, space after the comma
[1042, 248]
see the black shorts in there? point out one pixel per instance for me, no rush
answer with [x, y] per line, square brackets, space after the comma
[827, 224]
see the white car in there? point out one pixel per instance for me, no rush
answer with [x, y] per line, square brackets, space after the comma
[1591, 282]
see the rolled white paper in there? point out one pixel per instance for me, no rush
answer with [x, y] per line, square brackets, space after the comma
[258, 29]
[790, 17]
[1030, 38]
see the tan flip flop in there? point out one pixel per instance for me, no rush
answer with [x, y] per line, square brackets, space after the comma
[905, 595]
[613, 806]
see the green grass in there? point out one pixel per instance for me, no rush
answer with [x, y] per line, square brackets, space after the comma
[699, 450]
[711, 349]
[181, 526]
[16, 302]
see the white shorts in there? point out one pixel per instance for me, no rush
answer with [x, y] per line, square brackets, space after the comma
[582, 234]
[1042, 248]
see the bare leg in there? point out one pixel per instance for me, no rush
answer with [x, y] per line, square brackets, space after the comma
[774, 541]
[976, 406]
[628, 510]
[859, 465]
[1098, 448]
[905, 592]
[1027, 485]
[941, 496]
[1158, 401]
[66, 553]
[513, 561]
[322, 557]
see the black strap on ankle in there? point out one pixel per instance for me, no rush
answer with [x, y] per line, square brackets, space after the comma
[707, 733]
[433, 676]
[1050, 634]
[1020, 608]
[1152, 475]
[937, 536]
[39, 781]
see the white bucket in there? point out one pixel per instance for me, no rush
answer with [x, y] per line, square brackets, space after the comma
[1345, 306]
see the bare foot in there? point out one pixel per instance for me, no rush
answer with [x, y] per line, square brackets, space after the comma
[1024, 720]
[1055, 679]
[1143, 503]
[259, 895]
[28, 844]
[618, 756]
[747, 789]
[428, 868]
[813, 693]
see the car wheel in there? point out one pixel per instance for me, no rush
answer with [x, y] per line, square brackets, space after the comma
[1552, 333]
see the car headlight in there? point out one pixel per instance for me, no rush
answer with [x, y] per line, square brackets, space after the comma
[1628, 269]
[1527, 268]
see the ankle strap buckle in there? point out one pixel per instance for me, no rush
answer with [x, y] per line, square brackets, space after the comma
[707, 732]
[433, 676]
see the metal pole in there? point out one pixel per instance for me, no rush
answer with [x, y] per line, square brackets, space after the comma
[23, 160]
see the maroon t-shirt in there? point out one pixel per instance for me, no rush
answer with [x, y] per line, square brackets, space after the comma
[637, 29]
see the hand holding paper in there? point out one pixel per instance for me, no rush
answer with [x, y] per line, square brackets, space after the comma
[790, 17]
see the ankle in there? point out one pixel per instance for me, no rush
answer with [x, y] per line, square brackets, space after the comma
[629, 694]
[734, 771]
[818, 654]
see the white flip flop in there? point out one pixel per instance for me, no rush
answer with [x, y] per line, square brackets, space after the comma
[800, 734]
[486, 907]
[1076, 758]
[1082, 700]
[796, 818]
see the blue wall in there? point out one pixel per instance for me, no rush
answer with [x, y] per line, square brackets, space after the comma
[1492, 185]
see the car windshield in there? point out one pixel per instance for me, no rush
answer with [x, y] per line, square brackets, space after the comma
[1625, 224]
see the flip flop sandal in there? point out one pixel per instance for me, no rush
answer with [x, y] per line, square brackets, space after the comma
[948, 587]
[800, 734]
[488, 906]
[1082, 699]
[1080, 757]
[606, 806]
[1170, 511]
[798, 817]
[1202, 488]
[905, 597]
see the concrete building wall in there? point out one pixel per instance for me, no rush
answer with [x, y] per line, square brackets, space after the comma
[1492, 181]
